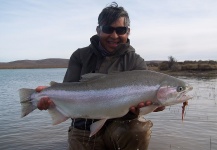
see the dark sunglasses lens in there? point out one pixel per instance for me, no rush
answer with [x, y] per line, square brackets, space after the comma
[107, 29]
[118, 30]
[121, 30]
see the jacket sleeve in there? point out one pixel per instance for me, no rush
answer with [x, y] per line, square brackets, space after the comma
[140, 63]
[73, 72]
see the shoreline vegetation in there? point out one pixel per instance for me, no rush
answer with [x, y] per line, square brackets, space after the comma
[204, 69]
[201, 69]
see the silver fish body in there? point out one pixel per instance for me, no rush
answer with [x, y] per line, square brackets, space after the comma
[101, 96]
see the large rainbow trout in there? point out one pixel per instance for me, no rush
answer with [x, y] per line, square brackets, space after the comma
[106, 96]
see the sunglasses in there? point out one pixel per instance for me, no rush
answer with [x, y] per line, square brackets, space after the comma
[110, 30]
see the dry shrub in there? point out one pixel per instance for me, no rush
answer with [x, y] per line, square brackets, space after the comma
[203, 62]
[190, 62]
[153, 64]
[190, 67]
[164, 66]
[206, 67]
[212, 62]
[176, 67]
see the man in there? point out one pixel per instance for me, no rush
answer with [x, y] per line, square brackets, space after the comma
[109, 51]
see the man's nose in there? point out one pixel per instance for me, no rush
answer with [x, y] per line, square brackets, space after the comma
[114, 34]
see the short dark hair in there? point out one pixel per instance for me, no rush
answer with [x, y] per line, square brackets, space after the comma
[111, 13]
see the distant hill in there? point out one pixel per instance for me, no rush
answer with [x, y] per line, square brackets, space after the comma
[45, 63]
[31, 64]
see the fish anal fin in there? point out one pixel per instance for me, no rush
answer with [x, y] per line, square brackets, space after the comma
[57, 116]
[147, 109]
[96, 126]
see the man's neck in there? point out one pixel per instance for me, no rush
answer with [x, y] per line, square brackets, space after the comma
[104, 52]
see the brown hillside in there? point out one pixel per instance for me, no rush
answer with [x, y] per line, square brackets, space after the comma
[30, 64]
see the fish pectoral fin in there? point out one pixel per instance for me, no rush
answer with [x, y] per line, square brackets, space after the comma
[96, 126]
[57, 116]
[147, 109]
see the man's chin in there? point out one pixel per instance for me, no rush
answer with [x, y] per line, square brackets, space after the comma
[111, 50]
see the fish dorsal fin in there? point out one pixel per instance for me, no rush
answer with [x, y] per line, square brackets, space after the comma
[91, 76]
[53, 83]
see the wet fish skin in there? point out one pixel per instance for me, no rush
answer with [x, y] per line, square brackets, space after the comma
[100, 96]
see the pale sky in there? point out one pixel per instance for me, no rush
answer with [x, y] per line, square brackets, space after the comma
[40, 29]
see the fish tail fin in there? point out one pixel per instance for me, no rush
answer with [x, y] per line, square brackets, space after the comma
[25, 101]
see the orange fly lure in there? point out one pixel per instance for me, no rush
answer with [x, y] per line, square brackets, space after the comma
[183, 109]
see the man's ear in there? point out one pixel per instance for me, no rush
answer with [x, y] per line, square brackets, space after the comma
[128, 31]
[98, 30]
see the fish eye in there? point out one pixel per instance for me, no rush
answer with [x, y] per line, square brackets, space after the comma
[180, 88]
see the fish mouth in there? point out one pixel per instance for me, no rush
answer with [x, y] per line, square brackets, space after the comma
[189, 88]
[185, 97]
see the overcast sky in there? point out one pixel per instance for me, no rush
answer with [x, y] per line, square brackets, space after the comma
[39, 29]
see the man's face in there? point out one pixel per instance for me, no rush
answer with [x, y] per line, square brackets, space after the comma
[111, 41]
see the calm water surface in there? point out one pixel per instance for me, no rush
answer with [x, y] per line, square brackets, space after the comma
[198, 131]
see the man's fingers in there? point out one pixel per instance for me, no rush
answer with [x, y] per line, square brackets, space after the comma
[133, 109]
[44, 103]
[40, 88]
[51, 103]
[140, 105]
[147, 103]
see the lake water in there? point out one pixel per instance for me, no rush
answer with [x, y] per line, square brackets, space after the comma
[198, 131]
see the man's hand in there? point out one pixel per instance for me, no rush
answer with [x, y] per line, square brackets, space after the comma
[40, 88]
[135, 110]
[45, 102]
